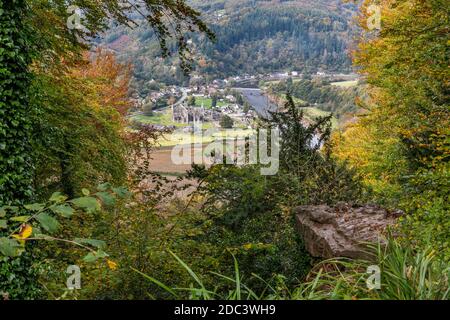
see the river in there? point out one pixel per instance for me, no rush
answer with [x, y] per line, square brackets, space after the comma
[262, 106]
[258, 101]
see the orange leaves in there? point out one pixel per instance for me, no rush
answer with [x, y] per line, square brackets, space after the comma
[108, 78]
[202, 62]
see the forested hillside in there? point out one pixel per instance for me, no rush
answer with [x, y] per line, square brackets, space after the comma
[251, 37]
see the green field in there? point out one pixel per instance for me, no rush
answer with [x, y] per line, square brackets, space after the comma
[164, 118]
[207, 102]
[345, 84]
[313, 112]
[190, 138]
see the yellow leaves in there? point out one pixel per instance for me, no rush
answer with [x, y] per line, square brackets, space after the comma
[111, 264]
[25, 232]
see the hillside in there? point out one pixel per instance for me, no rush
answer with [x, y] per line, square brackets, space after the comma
[253, 36]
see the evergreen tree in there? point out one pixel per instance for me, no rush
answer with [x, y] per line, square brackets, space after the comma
[191, 101]
[214, 101]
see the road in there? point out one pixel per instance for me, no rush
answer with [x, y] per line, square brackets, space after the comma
[183, 97]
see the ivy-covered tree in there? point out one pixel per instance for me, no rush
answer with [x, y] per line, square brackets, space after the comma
[16, 167]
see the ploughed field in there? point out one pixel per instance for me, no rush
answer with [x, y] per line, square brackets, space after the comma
[163, 163]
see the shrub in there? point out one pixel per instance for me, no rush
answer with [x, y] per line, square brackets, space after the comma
[226, 122]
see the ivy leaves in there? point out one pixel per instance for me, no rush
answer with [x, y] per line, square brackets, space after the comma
[15, 55]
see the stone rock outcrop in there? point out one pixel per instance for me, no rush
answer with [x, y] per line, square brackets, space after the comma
[343, 230]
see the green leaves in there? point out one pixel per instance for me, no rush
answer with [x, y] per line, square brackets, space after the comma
[121, 192]
[104, 186]
[58, 197]
[5, 209]
[89, 204]
[47, 222]
[100, 244]
[106, 198]
[94, 256]
[43, 217]
[92, 204]
[35, 206]
[63, 210]
[9, 247]
[20, 218]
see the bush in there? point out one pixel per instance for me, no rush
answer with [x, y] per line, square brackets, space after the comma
[426, 201]
[226, 122]
[243, 217]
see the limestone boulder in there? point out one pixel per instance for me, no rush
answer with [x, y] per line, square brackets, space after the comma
[343, 230]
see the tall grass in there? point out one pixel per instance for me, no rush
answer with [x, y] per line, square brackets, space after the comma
[198, 290]
[406, 274]
[410, 275]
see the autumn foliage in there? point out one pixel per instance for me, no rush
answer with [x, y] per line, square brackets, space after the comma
[400, 143]
[110, 78]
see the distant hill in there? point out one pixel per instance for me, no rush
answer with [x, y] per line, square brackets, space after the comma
[253, 36]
